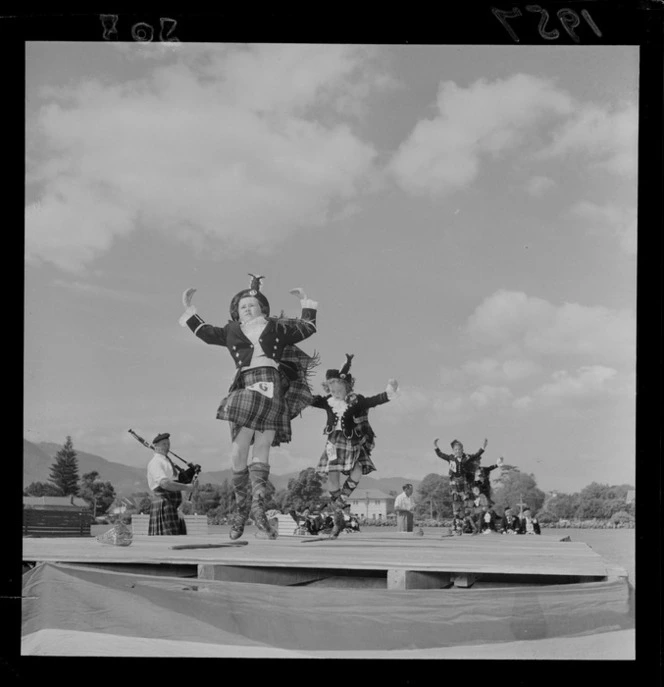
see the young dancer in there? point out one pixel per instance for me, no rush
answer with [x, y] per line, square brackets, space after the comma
[270, 388]
[350, 437]
[459, 478]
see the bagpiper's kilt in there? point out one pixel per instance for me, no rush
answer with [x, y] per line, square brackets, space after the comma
[342, 454]
[164, 515]
[248, 408]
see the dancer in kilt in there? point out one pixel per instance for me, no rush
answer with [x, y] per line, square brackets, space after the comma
[165, 518]
[350, 437]
[460, 480]
[270, 388]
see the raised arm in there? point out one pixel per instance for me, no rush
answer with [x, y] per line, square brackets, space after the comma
[204, 331]
[299, 329]
[366, 402]
[439, 453]
[319, 402]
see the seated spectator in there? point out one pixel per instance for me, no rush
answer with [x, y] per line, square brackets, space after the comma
[528, 524]
[488, 520]
[510, 523]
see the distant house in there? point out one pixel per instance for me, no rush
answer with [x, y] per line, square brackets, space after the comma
[630, 497]
[63, 503]
[371, 504]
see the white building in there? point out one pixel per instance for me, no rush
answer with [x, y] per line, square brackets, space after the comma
[371, 504]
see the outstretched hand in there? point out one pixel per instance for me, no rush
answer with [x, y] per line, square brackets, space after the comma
[187, 296]
[299, 292]
[393, 383]
[500, 461]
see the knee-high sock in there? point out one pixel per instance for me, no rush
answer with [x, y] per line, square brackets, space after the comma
[242, 490]
[347, 489]
[259, 474]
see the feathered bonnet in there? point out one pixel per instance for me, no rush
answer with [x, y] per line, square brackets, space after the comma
[343, 374]
[254, 291]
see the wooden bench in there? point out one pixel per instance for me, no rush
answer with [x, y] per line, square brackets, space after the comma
[54, 523]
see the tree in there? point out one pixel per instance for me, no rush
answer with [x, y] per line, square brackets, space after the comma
[304, 490]
[64, 471]
[434, 497]
[206, 497]
[42, 489]
[514, 486]
[100, 495]
[564, 506]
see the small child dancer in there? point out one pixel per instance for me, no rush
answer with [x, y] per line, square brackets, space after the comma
[350, 437]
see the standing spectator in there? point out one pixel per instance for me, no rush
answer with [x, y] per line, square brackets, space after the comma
[404, 505]
[165, 518]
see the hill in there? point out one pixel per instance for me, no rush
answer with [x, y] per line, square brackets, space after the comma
[127, 480]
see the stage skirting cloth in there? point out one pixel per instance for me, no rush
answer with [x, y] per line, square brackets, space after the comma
[78, 611]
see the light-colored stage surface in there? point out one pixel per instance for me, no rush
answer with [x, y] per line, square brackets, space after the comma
[397, 552]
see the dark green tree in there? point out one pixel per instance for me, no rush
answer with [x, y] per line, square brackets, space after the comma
[100, 495]
[207, 497]
[226, 499]
[305, 490]
[434, 499]
[564, 506]
[42, 489]
[513, 486]
[64, 471]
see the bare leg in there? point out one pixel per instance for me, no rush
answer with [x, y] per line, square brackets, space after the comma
[240, 449]
[262, 443]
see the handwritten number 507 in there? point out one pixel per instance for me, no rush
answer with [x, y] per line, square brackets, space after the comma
[568, 18]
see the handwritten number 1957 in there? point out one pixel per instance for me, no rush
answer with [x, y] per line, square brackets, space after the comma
[568, 18]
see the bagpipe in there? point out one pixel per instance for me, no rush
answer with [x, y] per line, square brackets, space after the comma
[183, 476]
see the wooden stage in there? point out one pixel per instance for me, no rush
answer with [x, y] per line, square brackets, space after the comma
[387, 560]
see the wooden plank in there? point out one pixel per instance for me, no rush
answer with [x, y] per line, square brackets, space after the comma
[554, 559]
[413, 579]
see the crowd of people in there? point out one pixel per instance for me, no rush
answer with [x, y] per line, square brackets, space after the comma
[270, 388]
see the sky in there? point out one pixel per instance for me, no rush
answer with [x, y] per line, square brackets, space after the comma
[465, 217]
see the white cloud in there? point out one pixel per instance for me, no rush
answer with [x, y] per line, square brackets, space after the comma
[490, 394]
[538, 185]
[618, 220]
[588, 381]
[511, 319]
[492, 370]
[223, 149]
[443, 154]
[607, 136]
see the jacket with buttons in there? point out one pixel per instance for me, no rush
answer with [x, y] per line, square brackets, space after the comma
[355, 419]
[277, 334]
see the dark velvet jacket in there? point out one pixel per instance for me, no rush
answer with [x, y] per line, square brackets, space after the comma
[278, 334]
[460, 468]
[355, 420]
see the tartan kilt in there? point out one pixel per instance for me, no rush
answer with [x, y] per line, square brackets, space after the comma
[247, 408]
[347, 454]
[164, 516]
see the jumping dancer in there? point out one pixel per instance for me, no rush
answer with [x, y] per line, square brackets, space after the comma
[480, 477]
[350, 438]
[459, 481]
[270, 388]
